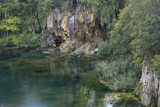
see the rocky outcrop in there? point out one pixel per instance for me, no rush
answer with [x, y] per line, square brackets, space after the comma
[85, 49]
[87, 27]
[57, 23]
[150, 87]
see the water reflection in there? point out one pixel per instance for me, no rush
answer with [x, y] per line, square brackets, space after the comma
[50, 82]
[75, 66]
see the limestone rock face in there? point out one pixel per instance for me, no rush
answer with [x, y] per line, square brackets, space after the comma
[150, 87]
[58, 23]
[158, 95]
[82, 22]
[87, 49]
[67, 48]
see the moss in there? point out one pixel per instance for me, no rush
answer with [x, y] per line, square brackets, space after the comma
[74, 54]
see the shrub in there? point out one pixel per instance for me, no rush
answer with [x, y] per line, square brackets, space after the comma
[104, 49]
[137, 89]
[119, 74]
[156, 64]
[22, 40]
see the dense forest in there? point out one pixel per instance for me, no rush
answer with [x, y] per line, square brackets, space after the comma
[131, 28]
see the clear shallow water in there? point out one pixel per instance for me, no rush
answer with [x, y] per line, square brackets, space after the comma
[28, 79]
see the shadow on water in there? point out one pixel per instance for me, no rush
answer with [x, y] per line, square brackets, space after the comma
[29, 81]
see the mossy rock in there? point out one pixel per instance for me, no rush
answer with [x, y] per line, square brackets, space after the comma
[74, 54]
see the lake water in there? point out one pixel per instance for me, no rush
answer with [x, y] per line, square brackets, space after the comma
[29, 79]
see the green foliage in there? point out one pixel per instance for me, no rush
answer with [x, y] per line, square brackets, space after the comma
[110, 3]
[121, 96]
[119, 74]
[18, 16]
[136, 34]
[109, 9]
[31, 12]
[114, 48]
[8, 21]
[105, 49]
[137, 30]
[138, 60]
[12, 24]
[22, 40]
[137, 90]
[156, 64]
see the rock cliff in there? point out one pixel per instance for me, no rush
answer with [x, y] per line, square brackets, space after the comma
[150, 87]
[77, 24]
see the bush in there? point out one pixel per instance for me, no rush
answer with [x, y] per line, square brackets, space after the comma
[137, 90]
[156, 65]
[119, 74]
[22, 40]
[105, 49]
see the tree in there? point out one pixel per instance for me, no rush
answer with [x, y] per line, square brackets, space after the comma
[136, 33]
[139, 22]
[119, 74]
[9, 22]
[137, 30]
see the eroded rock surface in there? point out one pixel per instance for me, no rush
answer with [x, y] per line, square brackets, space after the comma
[150, 87]
[87, 25]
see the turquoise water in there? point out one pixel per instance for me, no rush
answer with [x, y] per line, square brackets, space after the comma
[29, 79]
